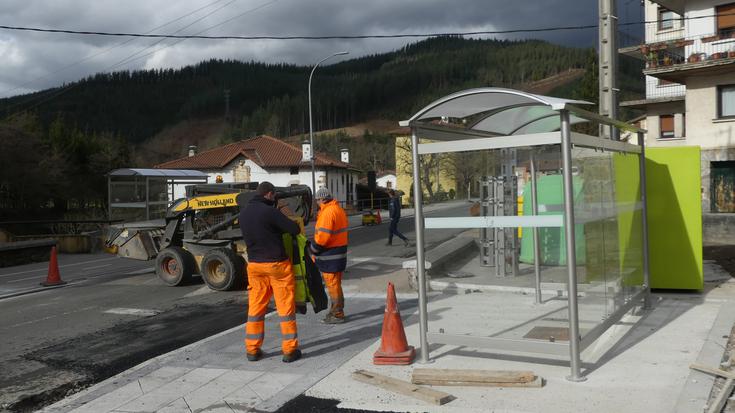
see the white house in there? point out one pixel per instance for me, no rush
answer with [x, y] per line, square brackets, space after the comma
[386, 180]
[265, 158]
[689, 50]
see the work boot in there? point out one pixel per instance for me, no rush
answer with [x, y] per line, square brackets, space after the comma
[255, 356]
[332, 319]
[292, 356]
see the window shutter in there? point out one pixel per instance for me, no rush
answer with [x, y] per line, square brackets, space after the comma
[666, 123]
[726, 16]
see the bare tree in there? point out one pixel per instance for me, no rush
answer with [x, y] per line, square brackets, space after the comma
[429, 164]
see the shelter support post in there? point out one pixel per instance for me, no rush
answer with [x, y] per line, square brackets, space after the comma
[574, 338]
[536, 242]
[644, 220]
[420, 263]
[147, 201]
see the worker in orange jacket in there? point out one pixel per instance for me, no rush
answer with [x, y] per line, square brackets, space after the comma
[269, 272]
[330, 251]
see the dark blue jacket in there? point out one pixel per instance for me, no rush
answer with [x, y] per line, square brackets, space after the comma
[262, 227]
[394, 208]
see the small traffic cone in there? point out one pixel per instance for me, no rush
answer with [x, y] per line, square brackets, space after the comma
[379, 219]
[394, 348]
[53, 277]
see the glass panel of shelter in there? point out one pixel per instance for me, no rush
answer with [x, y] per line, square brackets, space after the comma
[608, 235]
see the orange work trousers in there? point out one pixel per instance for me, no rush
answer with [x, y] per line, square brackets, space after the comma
[333, 280]
[266, 279]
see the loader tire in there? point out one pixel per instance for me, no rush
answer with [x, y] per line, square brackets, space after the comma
[223, 270]
[174, 266]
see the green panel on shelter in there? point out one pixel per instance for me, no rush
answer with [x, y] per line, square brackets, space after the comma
[629, 217]
[674, 217]
[552, 240]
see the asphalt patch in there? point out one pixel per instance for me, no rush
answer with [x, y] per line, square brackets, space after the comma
[306, 404]
[100, 355]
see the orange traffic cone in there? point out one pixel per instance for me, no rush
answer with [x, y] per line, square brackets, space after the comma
[379, 219]
[53, 277]
[394, 348]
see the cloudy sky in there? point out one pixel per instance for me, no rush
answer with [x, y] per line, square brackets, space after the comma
[34, 61]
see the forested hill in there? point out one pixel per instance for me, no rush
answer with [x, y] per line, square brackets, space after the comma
[272, 98]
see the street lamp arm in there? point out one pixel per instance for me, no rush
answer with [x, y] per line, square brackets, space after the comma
[311, 129]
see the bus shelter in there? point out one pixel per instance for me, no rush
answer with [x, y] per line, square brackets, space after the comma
[136, 194]
[602, 207]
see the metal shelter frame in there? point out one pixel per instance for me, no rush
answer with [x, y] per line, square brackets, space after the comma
[496, 118]
[171, 176]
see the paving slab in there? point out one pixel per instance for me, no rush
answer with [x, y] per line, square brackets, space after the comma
[640, 365]
[214, 375]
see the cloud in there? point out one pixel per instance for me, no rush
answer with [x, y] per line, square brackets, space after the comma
[35, 61]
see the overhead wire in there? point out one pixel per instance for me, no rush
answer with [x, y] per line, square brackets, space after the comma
[339, 37]
[132, 57]
[199, 35]
[91, 56]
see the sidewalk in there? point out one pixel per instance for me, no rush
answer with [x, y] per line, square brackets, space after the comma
[640, 365]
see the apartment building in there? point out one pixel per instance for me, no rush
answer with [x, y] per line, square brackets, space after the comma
[689, 54]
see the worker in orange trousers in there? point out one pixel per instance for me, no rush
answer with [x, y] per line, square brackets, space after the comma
[269, 273]
[330, 251]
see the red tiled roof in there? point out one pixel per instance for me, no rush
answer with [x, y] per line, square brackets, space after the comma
[265, 151]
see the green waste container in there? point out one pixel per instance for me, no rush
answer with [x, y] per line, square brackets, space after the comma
[551, 202]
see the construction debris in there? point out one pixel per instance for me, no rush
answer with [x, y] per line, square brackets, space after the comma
[721, 399]
[403, 387]
[487, 378]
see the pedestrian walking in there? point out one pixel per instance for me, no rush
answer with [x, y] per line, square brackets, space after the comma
[394, 211]
[269, 272]
[330, 251]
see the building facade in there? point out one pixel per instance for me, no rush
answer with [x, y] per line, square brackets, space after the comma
[265, 158]
[689, 54]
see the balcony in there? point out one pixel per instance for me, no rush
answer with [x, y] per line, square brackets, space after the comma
[658, 91]
[674, 58]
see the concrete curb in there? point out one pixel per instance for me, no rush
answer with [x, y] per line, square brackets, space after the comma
[452, 286]
[695, 393]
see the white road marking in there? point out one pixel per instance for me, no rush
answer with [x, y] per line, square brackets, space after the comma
[96, 266]
[199, 291]
[142, 312]
[60, 266]
[52, 316]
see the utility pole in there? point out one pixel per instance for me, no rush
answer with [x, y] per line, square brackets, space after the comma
[608, 65]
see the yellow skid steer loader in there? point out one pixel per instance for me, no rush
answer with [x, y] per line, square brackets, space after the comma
[201, 234]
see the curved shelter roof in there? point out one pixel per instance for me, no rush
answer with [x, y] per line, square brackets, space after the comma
[159, 173]
[498, 112]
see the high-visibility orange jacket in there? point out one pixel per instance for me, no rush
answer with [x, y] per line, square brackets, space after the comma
[330, 238]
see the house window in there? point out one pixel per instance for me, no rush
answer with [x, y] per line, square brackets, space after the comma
[726, 101]
[666, 18]
[294, 170]
[666, 126]
[726, 20]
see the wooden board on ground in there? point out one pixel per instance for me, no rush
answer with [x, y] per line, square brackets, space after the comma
[487, 378]
[719, 402]
[403, 387]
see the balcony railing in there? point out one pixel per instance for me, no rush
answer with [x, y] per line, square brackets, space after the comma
[658, 89]
[711, 48]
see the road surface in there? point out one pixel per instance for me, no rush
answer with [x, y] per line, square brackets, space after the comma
[115, 314]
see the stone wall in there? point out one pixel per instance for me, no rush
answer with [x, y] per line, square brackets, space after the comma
[718, 228]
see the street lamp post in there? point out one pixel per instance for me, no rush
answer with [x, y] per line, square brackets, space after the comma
[311, 129]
